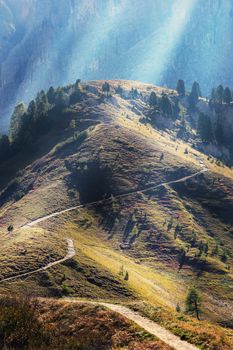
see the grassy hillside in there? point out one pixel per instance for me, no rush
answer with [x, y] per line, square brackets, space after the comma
[139, 243]
[42, 324]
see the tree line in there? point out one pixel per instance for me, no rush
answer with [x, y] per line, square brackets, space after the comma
[27, 124]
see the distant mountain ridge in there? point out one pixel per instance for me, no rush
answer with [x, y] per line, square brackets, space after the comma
[45, 42]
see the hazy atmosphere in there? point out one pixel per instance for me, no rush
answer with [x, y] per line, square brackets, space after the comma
[116, 174]
[50, 42]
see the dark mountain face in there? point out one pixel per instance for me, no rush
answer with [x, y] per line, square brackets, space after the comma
[50, 42]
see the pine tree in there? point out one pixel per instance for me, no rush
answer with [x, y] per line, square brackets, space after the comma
[75, 97]
[42, 105]
[205, 127]
[219, 94]
[16, 122]
[62, 100]
[10, 228]
[182, 258]
[219, 133]
[126, 276]
[77, 84]
[224, 256]
[227, 97]
[180, 88]
[194, 95]
[213, 94]
[32, 108]
[51, 95]
[153, 100]
[4, 147]
[106, 88]
[166, 105]
[193, 302]
[119, 90]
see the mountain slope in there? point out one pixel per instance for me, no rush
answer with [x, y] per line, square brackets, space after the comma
[136, 241]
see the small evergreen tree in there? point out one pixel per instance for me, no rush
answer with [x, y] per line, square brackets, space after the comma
[77, 84]
[166, 105]
[32, 109]
[178, 309]
[219, 94]
[224, 256]
[180, 88]
[126, 276]
[42, 105]
[194, 95]
[193, 302]
[227, 97]
[16, 122]
[133, 93]
[215, 250]
[51, 95]
[219, 133]
[205, 127]
[10, 228]
[153, 100]
[119, 90]
[213, 94]
[4, 147]
[75, 97]
[182, 258]
[62, 100]
[106, 88]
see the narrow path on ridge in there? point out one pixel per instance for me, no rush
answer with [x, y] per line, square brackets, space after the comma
[69, 255]
[57, 213]
[150, 326]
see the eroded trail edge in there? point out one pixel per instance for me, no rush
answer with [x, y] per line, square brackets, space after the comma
[69, 255]
[150, 326]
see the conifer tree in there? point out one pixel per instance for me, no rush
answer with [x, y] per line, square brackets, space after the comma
[51, 95]
[194, 95]
[227, 97]
[119, 90]
[219, 94]
[193, 302]
[166, 105]
[153, 100]
[219, 133]
[16, 122]
[32, 109]
[180, 88]
[106, 88]
[77, 84]
[205, 127]
[4, 147]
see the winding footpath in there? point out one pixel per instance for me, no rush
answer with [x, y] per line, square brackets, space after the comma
[150, 326]
[57, 213]
[69, 255]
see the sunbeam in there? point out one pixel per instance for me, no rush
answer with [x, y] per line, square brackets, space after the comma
[88, 50]
[155, 50]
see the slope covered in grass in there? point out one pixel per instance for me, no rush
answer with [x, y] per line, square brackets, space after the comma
[138, 242]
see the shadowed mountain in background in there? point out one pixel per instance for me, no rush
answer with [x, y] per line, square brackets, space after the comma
[48, 42]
